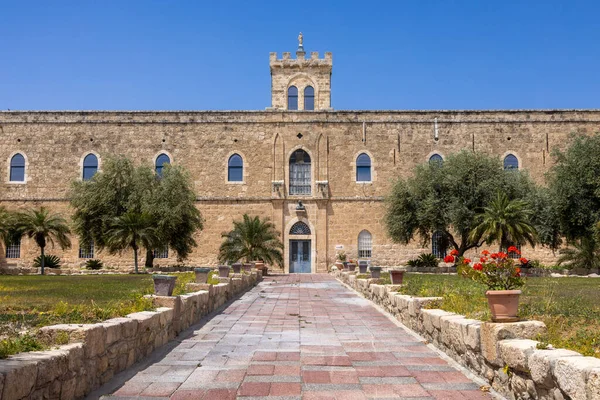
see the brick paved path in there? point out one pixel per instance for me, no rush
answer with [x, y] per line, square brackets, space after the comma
[301, 336]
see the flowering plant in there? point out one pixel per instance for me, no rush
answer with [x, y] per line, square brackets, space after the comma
[495, 270]
[341, 256]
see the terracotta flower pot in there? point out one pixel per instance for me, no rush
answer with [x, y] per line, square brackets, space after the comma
[224, 271]
[339, 265]
[375, 272]
[504, 304]
[237, 268]
[164, 284]
[351, 267]
[202, 274]
[397, 277]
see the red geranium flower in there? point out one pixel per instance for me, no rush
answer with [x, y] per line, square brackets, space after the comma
[467, 261]
[523, 260]
[478, 267]
[485, 253]
[454, 252]
[518, 270]
[449, 259]
[483, 259]
[494, 255]
[512, 249]
[502, 255]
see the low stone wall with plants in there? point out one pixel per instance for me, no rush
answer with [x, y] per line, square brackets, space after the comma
[89, 355]
[504, 354]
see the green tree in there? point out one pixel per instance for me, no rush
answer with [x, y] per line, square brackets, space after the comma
[43, 227]
[5, 224]
[447, 198]
[121, 188]
[252, 239]
[506, 222]
[583, 253]
[130, 231]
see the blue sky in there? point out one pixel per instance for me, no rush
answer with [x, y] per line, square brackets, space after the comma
[193, 55]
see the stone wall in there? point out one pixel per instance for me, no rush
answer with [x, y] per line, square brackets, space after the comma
[55, 143]
[504, 354]
[96, 352]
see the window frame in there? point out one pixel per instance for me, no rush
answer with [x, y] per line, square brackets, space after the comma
[235, 167]
[86, 253]
[438, 249]
[158, 170]
[15, 248]
[310, 96]
[300, 189]
[292, 96]
[11, 167]
[83, 166]
[516, 159]
[365, 244]
[435, 159]
[359, 167]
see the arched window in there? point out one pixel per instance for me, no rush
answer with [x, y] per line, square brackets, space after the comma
[292, 98]
[90, 166]
[363, 168]
[365, 244]
[235, 169]
[439, 244]
[300, 182]
[161, 160]
[17, 168]
[436, 159]
[511, 162]
[300, 228]
[309, 98]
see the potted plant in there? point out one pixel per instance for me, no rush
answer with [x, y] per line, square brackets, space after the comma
[362, 266]
[340, 260]
[237, 268]
[397, 276]
[375, 272]
[351, 266]
[502, 276]
[224, 271]
[164, 284]
[202, 274]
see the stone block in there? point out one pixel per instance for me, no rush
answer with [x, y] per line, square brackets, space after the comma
[492, 333]
[572, 374]
[432, 318]
[593, 385]
[67, 391]
[414, 306]
[196, 287]
[19, 378]
[515, 352]
[114, 330]
[541, 363]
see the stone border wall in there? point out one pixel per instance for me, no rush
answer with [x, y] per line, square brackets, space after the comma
[502, 353]
[96, 352]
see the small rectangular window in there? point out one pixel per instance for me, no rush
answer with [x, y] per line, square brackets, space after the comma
[86, 251]
[161, 253]
[13, 250]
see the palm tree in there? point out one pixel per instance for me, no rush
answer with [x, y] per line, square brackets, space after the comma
[43, 227]
[505, 221]
[252, 239]
[132, 230]
[5, 224]
[583, 254]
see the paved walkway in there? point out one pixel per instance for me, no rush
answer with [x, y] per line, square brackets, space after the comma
[301, 336]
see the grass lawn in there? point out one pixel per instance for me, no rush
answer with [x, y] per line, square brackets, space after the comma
[34, 301]
[570, 307]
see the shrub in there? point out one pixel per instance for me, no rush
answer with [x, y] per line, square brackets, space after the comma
[424, 260]
[50, 261]
[93, 264]
[19, 344]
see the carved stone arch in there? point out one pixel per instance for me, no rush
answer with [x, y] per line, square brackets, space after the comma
[8, 162]
[82, 159]
[514, 154]
[313, 166]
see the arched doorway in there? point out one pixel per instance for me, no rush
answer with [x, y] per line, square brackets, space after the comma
[300, 248]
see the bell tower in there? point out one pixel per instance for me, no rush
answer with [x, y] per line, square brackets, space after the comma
[300, 84]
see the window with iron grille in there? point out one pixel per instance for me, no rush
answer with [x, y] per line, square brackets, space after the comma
[365, 244]
[161, 253]
[439, 245]
[13, 250]
[300, 181]
[86, 251]
[300, 228]
[512, 255]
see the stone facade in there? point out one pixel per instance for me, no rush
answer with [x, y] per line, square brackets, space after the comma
[338, 207]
